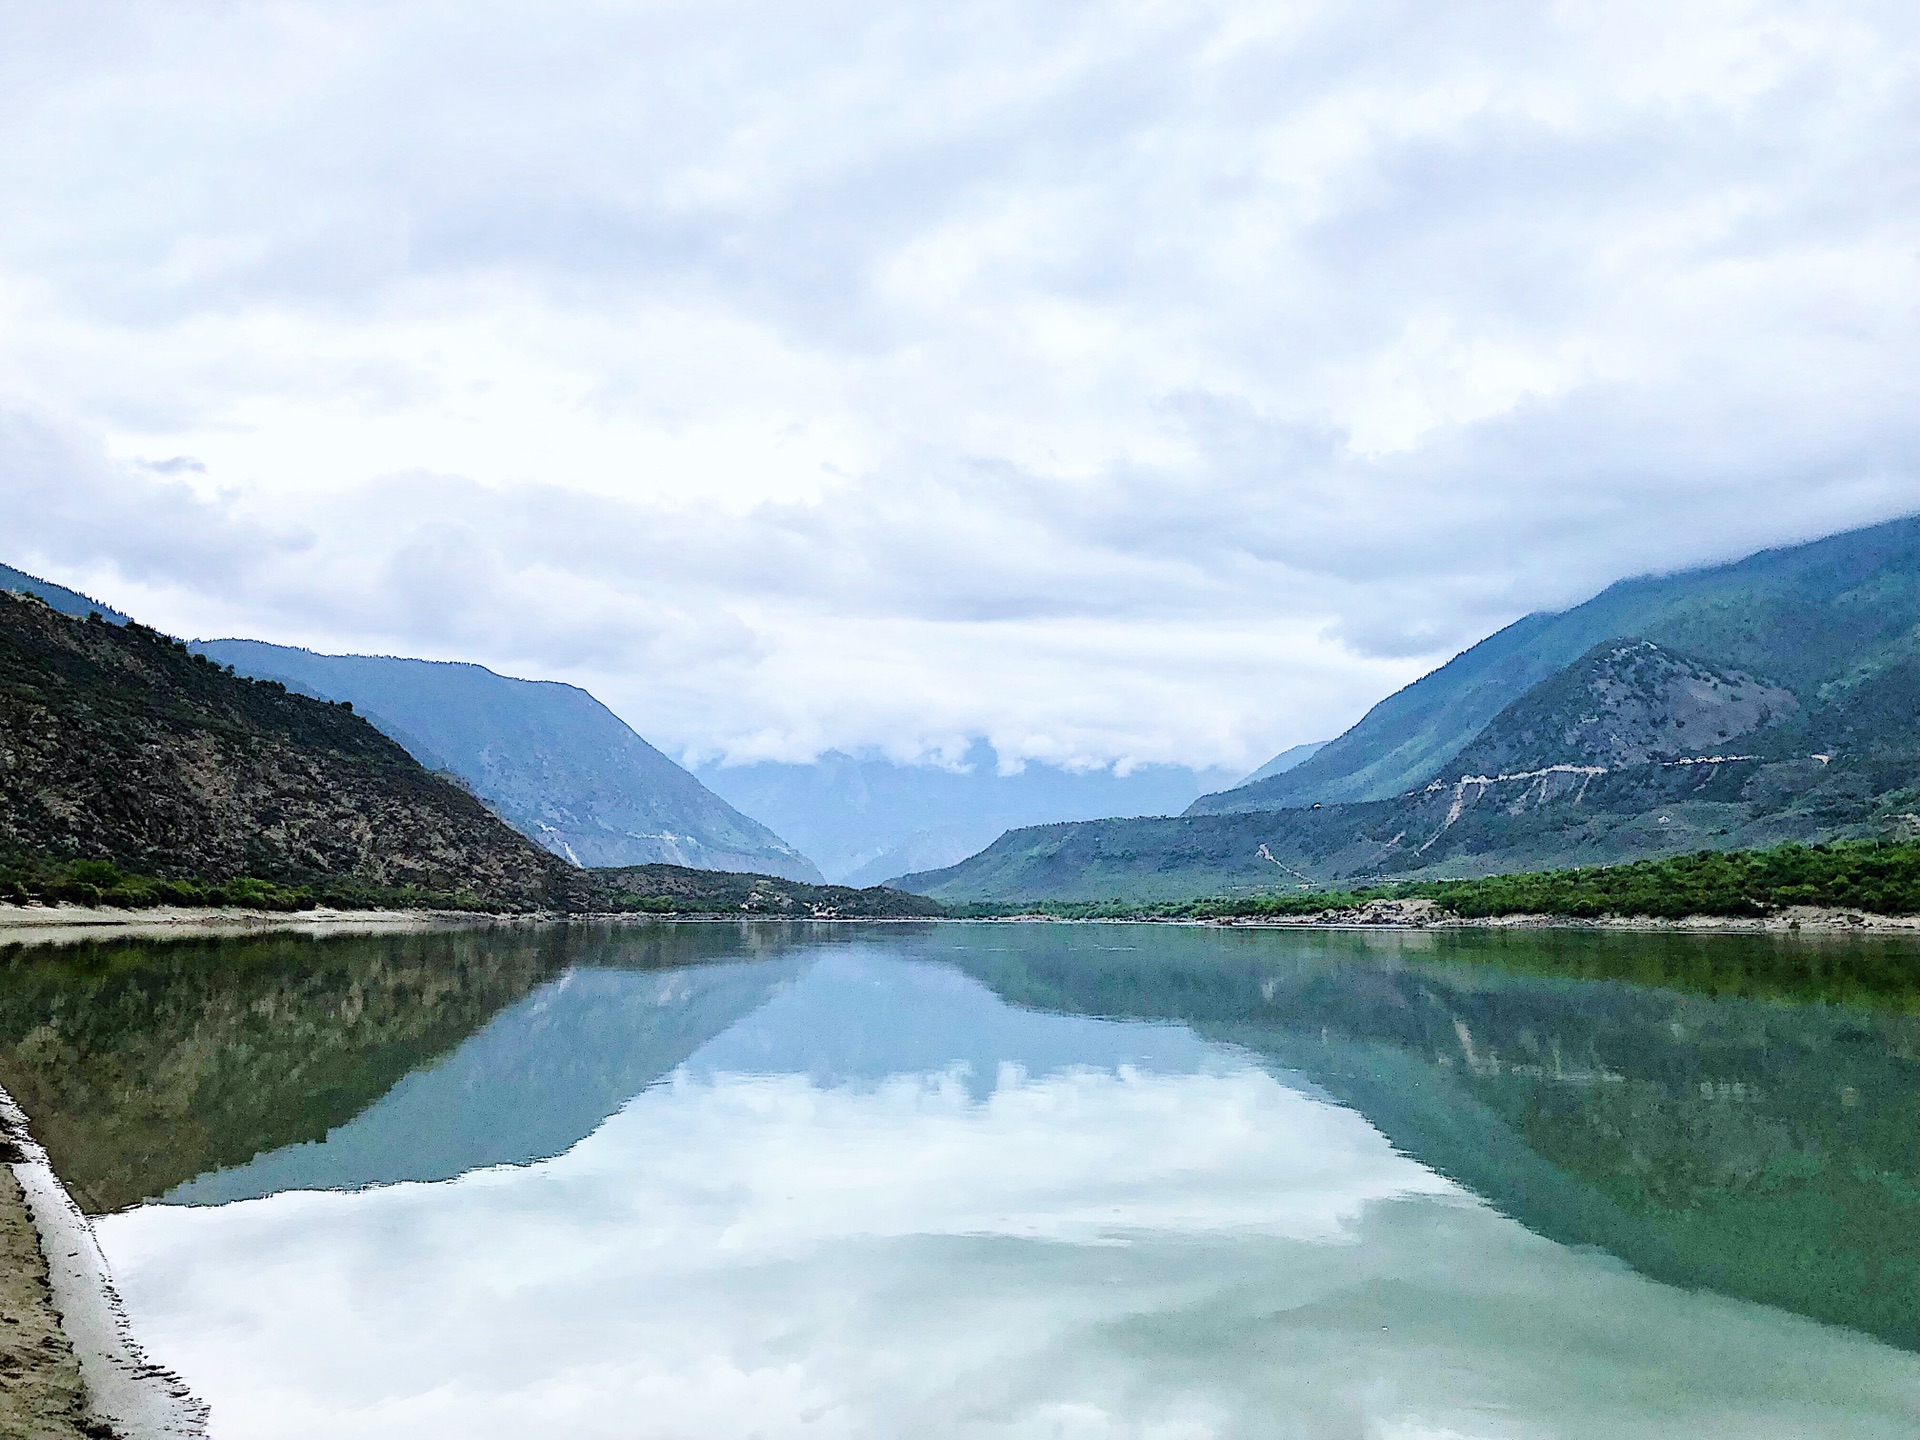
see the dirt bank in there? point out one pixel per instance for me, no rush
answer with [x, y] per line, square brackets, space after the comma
[69, 1365]
[41, 1397]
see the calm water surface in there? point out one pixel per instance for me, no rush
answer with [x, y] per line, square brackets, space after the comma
[998, 1180]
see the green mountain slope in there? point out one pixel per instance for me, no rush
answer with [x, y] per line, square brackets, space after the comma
[1481, 825]
[1626, 702]
[1805, 617]
[118, 745]
[1291, 758]
[548, 758]
[1633, 751]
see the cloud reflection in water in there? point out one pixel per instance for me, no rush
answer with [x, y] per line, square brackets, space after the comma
[1096, 1249]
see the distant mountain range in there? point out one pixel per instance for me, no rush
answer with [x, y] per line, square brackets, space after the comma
[867, 819]
[67, 602]
[1772, 699]
[134, 771]
[548, 758]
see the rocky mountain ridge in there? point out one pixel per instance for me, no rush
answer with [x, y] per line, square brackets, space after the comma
[117, 744]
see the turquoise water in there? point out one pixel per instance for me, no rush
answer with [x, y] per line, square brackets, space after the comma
[992, 1180]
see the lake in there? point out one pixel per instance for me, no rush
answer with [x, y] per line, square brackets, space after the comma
[998, 1180]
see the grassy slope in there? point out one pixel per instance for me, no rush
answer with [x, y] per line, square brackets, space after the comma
[1808, 617]
[1553, 822]
[1867, 787]
[135, 773]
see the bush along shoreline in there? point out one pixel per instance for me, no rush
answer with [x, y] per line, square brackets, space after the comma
[102, 884]
[662, 890]
[1877, 877]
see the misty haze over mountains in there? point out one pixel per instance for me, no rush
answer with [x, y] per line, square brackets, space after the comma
[868, 819]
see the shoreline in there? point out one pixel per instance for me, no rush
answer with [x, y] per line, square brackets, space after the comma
[74, 924]
[1424, 915]
[123, 1393]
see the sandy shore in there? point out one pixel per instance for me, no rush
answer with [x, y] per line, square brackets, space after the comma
[69, 1365]
[55, 924]
[42, 924]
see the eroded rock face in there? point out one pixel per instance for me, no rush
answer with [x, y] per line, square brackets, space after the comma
[1627, 702]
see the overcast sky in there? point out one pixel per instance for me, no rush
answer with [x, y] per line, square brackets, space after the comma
[1118, 382]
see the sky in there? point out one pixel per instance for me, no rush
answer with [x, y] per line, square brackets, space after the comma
[1118, 383]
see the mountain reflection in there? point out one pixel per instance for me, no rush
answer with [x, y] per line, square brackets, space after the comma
[1759, 1149]
[1758, 1143]
[145, 1065]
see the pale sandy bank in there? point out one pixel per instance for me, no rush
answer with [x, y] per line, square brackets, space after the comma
[69, 1365]
[40, 924]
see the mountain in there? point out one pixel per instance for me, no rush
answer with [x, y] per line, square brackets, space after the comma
[1479, 826]
[118, 745]
[548, 758]
[1792, 716]
[867, 818]
[1288, 759]
[924, 850]
[1803, 617]
[67, 602]
[1626, 702]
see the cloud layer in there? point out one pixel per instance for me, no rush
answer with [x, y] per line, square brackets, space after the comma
[1133, 382]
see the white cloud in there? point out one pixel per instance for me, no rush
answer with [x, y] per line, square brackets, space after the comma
[1138, 381]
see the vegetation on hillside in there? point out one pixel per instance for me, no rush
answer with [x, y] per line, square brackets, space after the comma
[119, 746]
[53, 881]
[547, 758]
[638, 889]
[1881, 878]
